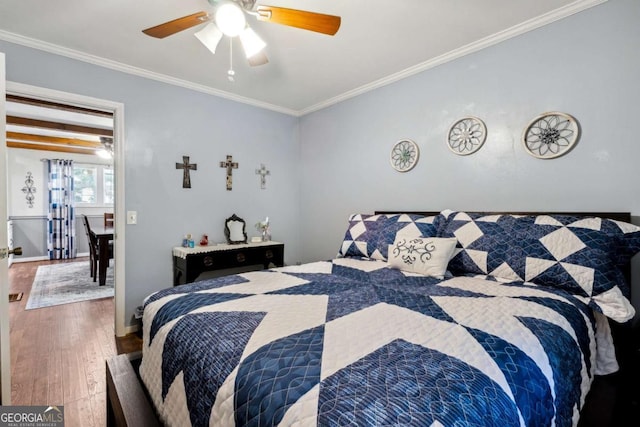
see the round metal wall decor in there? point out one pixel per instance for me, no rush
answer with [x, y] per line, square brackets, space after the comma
[404, 155]
[467, 135]
[550, 135]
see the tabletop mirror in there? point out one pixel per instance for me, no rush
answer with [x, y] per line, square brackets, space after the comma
[234, 230]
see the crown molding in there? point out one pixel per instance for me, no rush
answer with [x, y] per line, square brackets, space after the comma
[530, 25]
[516, 30]
[141, 72]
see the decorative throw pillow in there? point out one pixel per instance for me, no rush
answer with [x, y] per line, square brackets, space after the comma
[370, 235]
[627, 237]
[428, 256]
[576, 254]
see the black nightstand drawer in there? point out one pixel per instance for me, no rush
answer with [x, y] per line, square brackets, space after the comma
[187, 269]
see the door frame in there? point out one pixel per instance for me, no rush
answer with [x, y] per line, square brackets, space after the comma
[117, 108]
[5, 341]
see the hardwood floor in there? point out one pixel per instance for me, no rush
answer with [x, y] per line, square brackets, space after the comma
[58, 353]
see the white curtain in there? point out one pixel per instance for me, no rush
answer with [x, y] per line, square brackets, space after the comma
[61, 236]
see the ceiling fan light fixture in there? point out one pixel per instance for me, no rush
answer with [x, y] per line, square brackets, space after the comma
[230, 19]
[251, 42]
[107, 151]
[210, 36]
[104, 154]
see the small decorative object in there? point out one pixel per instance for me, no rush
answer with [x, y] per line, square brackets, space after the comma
[186, 167]
[29, 189]
[229, 164]
[467, 135]
[263, 227]
[550, 135]
[234, 230]
[205, 240]
[263, 172]
[187, 242]
[404, 155]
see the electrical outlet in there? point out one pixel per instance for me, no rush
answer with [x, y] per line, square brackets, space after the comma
[132, 217]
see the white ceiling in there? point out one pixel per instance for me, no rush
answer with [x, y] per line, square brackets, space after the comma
[378, 42]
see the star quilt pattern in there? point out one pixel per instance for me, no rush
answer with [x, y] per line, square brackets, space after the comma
[353, 342]
[370, 235]
[580, 255]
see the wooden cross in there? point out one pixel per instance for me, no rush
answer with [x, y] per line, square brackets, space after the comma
[187, 167]
[230, 165]
[263, 172]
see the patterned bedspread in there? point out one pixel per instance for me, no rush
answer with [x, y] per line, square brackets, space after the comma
[352, 342]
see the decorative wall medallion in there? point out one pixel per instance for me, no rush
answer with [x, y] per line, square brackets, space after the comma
[29, 189]
[467, 135]
[404, 155]
[550, 135]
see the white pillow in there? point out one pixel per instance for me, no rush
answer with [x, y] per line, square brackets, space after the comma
[428, 256]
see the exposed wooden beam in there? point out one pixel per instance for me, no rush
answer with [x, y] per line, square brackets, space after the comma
[44, 147]
[44, 124]
[57, 106]
[17, 136]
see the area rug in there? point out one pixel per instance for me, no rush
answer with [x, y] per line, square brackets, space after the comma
[65, 283]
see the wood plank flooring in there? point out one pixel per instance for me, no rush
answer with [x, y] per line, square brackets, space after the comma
[58, 353]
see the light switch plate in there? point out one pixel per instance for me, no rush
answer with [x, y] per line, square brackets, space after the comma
[132, 217]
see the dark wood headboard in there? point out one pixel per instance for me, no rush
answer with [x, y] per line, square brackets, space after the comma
[618, 216]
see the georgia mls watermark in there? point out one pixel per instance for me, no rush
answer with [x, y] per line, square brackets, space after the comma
[31, 416]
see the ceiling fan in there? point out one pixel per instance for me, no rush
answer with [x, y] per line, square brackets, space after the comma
[228, 18]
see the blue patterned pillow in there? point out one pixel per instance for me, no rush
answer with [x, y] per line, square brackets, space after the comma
[370, 235]
[580, 255]
[627, 237]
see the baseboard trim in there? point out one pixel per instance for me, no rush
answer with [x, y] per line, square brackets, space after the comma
[43, 258]
[30, 259]
[131, 329]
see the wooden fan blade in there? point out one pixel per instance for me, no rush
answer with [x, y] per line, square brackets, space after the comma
[318, 22]
[169, 28]
[258, 59]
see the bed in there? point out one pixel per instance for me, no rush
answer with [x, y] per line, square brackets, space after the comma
[430, 318]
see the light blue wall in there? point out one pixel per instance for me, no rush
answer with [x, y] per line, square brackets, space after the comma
[586, 65]
[333, 162]
[163, 123]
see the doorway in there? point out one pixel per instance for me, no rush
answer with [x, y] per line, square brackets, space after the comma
[60, 170]
[117, 109]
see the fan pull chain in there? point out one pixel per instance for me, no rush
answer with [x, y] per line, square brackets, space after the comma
[231, 73]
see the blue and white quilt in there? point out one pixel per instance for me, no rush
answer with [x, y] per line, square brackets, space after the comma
[353, 342]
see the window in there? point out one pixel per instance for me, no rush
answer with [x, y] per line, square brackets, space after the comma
[85, 186]
[93, 185]
[107, 185]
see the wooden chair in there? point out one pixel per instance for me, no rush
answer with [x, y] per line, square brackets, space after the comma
[94, 250]
[93, 258]
[108, 219]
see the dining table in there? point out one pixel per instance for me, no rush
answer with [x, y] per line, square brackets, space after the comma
[103, 235]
